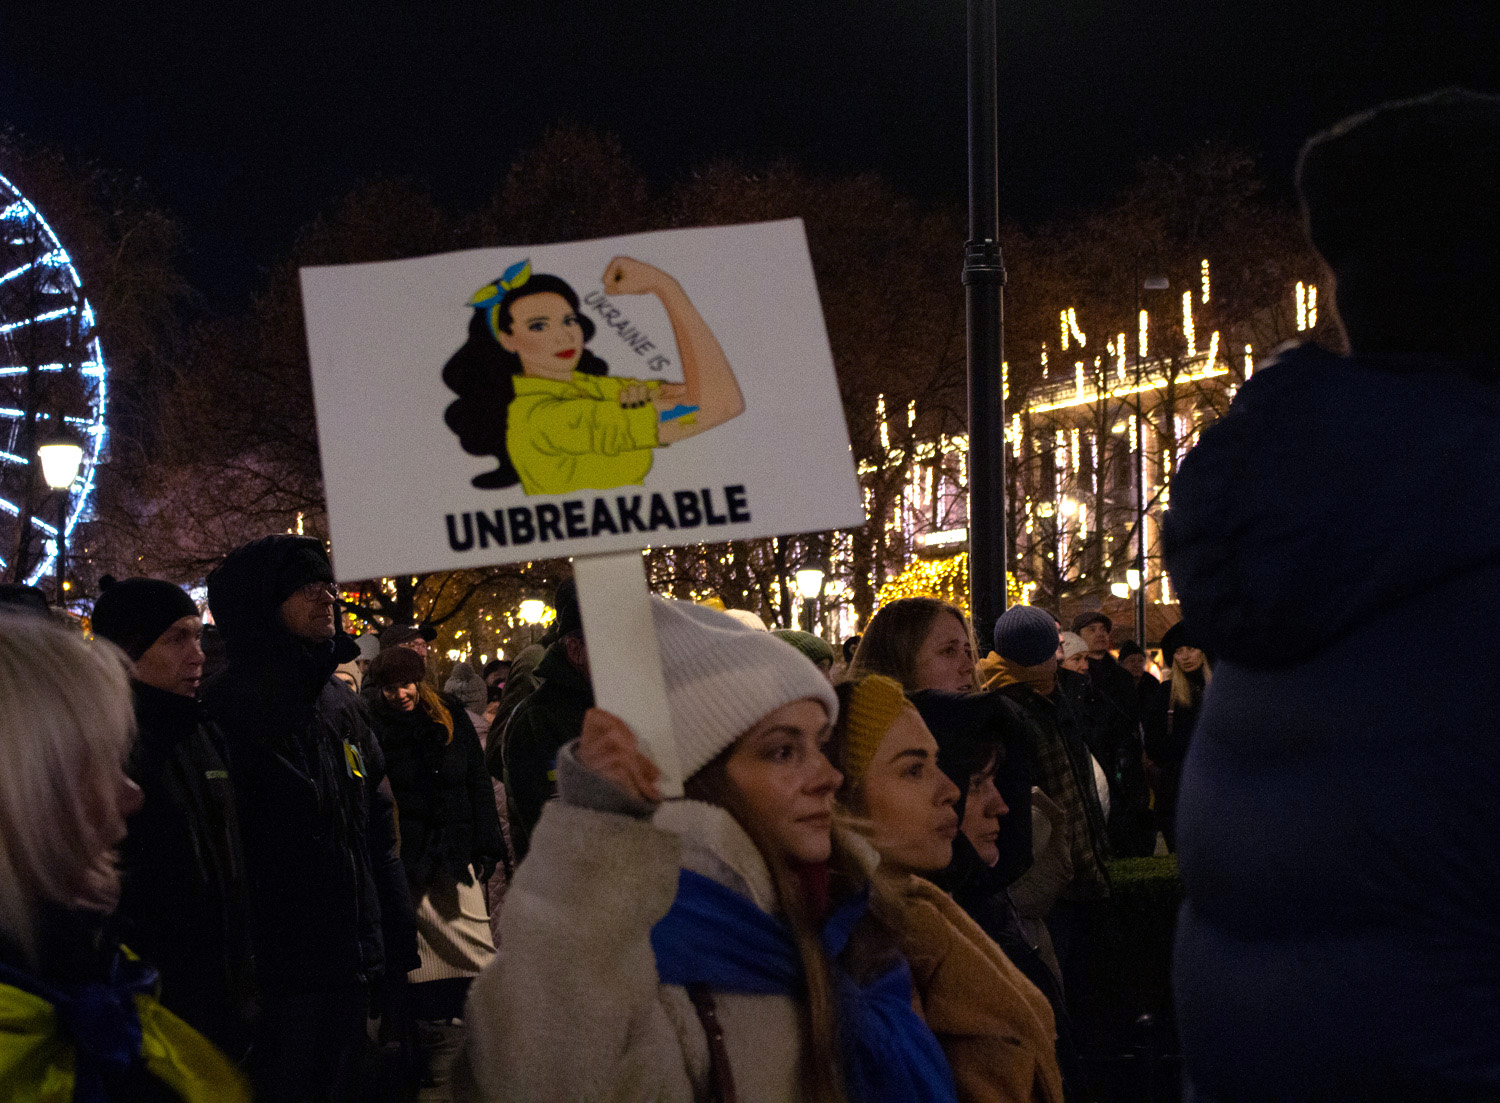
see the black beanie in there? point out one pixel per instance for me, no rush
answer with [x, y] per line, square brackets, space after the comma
[301, 564]
[1400, 202]
[134, 613]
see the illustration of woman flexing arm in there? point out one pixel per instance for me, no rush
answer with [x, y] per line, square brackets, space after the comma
[531, 394]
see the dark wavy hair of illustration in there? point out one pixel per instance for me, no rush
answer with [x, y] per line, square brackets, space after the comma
[483, 374]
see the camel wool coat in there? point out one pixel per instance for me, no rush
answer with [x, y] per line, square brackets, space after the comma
[994, 1025]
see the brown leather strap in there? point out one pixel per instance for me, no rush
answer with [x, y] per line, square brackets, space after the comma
[720, 1078]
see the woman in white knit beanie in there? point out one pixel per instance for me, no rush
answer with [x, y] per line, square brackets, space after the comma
[717, 947]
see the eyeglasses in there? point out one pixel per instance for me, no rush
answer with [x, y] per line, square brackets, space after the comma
[315, 591]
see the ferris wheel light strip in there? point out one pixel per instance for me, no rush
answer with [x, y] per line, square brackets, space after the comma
[14, 511]
[52, 259]
[47, 317]
[87, 368]
[22, 208]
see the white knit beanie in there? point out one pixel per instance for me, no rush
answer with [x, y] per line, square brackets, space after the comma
[724, 677]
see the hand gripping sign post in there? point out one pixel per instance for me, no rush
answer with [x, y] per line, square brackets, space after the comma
[590, 400]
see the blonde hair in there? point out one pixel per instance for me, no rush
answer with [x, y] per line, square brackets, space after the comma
[895, 635]
[432, 704]
[1182, 686]
[66, 724]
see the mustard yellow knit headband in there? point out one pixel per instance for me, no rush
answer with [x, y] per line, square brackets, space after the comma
[874, 704]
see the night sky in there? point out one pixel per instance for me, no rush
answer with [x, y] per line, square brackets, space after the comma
[247, 118]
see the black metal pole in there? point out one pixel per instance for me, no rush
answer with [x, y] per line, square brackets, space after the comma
[984, 278]
[62, 553]
[1140, 478]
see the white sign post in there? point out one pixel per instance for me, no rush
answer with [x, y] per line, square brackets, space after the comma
[589, 399]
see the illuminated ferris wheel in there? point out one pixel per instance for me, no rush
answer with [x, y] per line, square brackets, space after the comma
[52, 390]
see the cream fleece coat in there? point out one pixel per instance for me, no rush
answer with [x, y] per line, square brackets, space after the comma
[571, 1010]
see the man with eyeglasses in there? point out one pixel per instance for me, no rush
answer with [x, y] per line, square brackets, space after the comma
[332, 913]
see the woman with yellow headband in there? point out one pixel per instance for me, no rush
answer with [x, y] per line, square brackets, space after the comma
[995, 1027]
[531, 393]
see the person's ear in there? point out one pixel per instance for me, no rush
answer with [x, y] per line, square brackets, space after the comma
[507, 342]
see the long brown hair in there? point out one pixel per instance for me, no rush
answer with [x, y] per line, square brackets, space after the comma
[822, 1080]
[894, 638]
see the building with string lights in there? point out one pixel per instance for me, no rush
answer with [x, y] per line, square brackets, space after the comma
[1096, 425]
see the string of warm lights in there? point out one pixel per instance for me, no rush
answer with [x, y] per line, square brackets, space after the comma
[946, 579]
[1188, 333]
[1205, 279]
[1141, 344]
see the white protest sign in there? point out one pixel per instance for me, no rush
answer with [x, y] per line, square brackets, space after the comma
[596, 397]
[539, 457]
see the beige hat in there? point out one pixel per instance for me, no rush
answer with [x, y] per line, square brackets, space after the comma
[1073, 645]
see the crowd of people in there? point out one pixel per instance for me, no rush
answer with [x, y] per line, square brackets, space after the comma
[255, 874]
[310, 846]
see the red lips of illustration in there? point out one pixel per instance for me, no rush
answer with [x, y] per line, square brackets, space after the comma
[567, 354]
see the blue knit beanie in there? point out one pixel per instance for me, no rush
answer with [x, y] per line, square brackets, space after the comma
[1026, 635]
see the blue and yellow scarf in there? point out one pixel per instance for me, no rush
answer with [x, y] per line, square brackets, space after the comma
[712, 935]
[58, 1044]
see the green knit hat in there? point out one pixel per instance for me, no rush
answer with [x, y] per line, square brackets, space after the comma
[815, 648]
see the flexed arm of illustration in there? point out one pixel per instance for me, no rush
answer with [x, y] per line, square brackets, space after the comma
[708, 380]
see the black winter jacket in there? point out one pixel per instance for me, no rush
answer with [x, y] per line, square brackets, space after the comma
[183, 905]
[444, 799]
[1334, 538]
[329, 898]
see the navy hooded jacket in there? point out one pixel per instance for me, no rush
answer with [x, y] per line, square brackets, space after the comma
[1336, 540]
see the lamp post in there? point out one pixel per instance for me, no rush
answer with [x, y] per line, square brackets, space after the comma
[984, 279]
[533, 612]
[1152, 283]
[809, 587]
[61, 457]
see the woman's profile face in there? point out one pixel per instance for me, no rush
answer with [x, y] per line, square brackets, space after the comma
[545, 333]
[784, 784]
[908, 800]
[945, 660]
[982, 811]
[1190, 659]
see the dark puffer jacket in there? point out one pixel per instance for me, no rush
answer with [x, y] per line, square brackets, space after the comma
[443, 793]
[1336, 538]
[329, 900]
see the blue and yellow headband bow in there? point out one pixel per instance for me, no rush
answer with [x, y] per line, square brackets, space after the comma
[488, 297]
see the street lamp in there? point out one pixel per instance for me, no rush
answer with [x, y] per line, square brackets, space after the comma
[533, 612]
[61, 457]
[809, 586]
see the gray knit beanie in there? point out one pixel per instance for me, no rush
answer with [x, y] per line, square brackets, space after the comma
[1026, 635]
[466, 685]
[723, 677]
